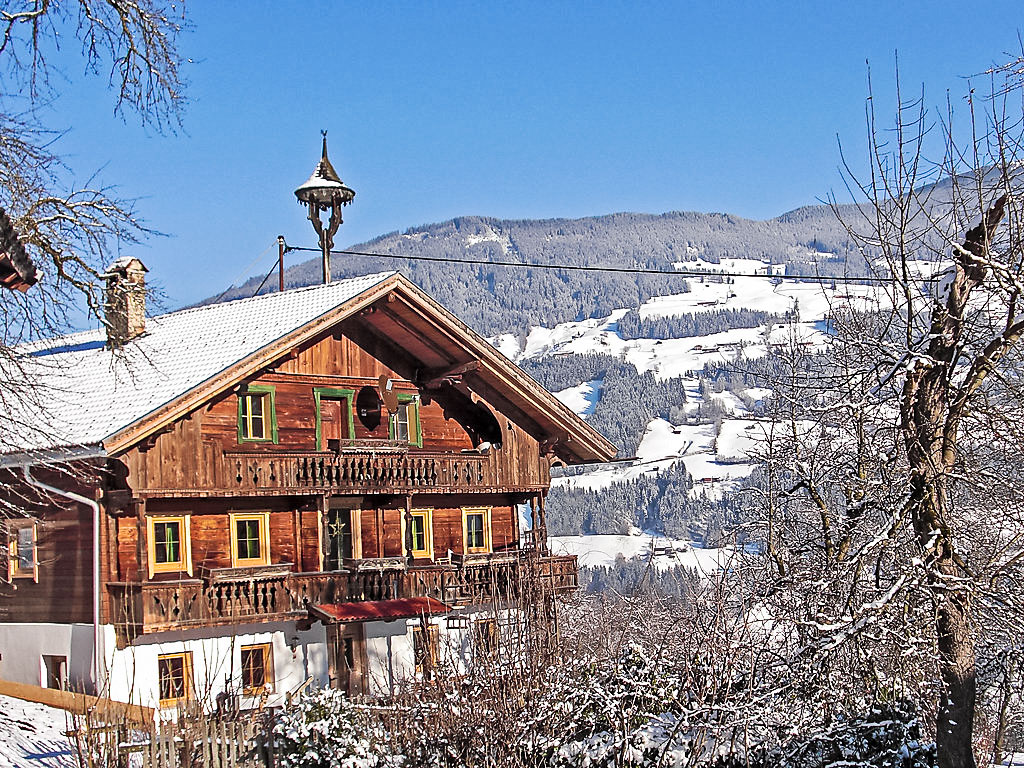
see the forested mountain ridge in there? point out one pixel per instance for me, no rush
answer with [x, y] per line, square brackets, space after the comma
[496, 300]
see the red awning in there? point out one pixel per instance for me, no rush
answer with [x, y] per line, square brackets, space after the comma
[378, 610]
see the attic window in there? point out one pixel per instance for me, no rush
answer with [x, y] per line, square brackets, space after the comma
[405, 424]
[257, 415]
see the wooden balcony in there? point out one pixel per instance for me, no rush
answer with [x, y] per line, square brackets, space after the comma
[361, 470]
[144, 608]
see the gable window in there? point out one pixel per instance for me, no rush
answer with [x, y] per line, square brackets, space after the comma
[333, 417]
[23, 558]
[169, 544]
[476, 529]
[250, 544]
[405, 424]
[175, 678]
[422, 533]
[425, 650]
[257, 669]
[257, 415]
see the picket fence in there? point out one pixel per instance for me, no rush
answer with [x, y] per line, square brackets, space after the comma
[207, 744]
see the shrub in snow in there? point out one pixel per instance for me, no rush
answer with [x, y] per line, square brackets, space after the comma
[325, 729]
[887, 737]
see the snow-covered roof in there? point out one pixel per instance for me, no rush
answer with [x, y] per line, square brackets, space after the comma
[91, 392]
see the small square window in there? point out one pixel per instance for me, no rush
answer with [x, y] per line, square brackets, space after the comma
[249, 541]
[175, 678]
[257, 416]
[257, 669]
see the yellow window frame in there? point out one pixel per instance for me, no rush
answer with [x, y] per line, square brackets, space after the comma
[267, 656]
[187, 681]
[427, 514]
[14, 569]
[486, 513]
[184, 563]
[263, 519]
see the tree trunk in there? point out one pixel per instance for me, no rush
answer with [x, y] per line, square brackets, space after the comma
[954, 722]
[930, 412]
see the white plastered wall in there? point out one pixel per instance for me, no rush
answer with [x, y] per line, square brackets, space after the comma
[389, 647]
[216, 661]
[23, 645]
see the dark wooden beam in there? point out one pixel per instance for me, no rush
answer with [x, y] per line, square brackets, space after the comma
[436, 379]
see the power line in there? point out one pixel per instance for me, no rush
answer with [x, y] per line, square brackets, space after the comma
[621, 270]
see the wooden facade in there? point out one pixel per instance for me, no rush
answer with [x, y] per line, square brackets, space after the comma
[296, 484]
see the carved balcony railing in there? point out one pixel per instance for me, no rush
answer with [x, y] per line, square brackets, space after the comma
[360, 470]
[142, 608]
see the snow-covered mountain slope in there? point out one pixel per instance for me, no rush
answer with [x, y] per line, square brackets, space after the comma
[717, 452]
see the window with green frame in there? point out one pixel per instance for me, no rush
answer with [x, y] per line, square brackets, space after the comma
[257, 415]
[405, 425]
[330, 417]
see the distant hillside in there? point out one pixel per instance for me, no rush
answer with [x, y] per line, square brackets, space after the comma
[497, 299]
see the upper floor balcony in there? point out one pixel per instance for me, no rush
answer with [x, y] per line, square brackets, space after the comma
[361, 469]
[158, 606]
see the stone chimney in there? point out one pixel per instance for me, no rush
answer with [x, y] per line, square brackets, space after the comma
[125, 305]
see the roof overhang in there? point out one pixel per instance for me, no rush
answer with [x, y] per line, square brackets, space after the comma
[52, 456]
[377, 610]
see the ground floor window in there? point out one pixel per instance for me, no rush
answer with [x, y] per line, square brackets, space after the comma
[425, 648]
[175, 673]
[257, 669]
[55, 672]
[485, 637]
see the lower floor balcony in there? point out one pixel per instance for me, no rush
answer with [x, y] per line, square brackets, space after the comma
[149, 607]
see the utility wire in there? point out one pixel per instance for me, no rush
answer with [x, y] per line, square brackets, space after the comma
[624, 270]
[244, 271]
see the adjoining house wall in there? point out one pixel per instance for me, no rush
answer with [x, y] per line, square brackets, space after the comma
[23, 645]
[216, 662]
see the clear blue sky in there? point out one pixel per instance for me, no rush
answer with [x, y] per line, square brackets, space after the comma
[512, 110]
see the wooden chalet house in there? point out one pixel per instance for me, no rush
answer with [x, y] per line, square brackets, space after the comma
[336, 482]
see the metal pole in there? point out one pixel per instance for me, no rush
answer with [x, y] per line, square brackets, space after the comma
[325, 244]
[280, 261]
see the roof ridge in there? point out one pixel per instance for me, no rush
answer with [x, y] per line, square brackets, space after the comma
[263, 296]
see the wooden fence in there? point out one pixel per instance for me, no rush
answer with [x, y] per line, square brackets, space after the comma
[79, 703]
[206, 744]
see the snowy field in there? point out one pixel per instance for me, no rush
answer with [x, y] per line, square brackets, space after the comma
[662, 553]
[32, 735]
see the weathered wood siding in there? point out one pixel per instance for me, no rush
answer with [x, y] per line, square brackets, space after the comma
[64, 545]
[190, 455]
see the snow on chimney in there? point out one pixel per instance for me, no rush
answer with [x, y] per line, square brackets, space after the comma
[125, 305]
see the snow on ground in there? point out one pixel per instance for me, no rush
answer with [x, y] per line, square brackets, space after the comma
[32, 735]
[740, 439]
[663, 445]
[582, 398]
[602, 550]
